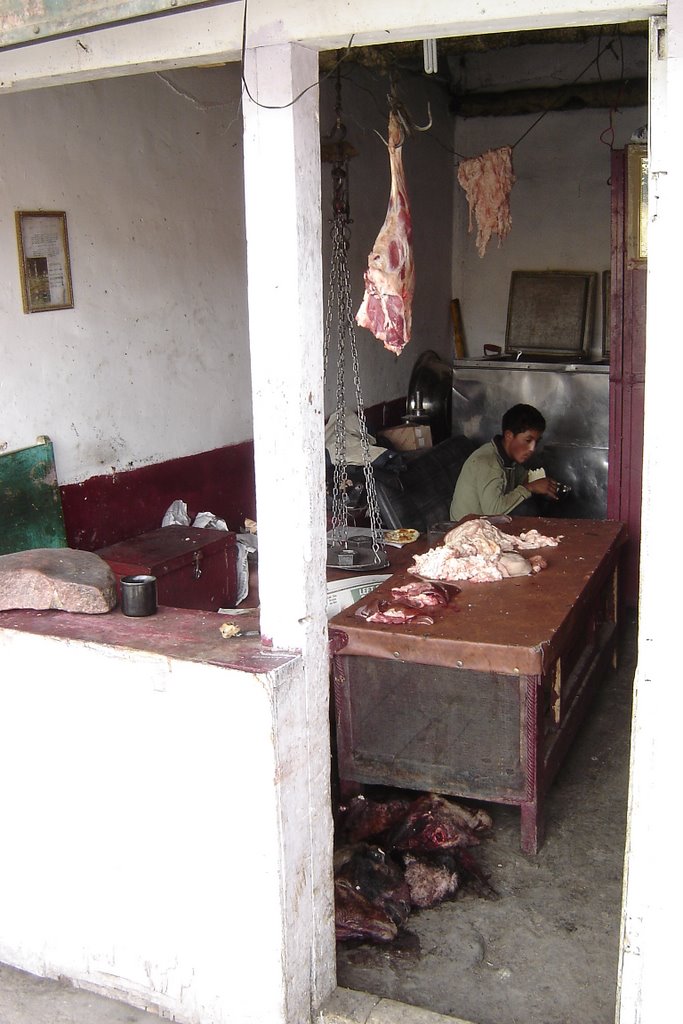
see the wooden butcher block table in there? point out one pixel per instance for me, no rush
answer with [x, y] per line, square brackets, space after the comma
[484, 703]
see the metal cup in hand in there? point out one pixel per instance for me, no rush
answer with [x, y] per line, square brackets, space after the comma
[138, 595]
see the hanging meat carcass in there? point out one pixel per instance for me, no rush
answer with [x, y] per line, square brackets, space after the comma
[487, 181]
[386, 309]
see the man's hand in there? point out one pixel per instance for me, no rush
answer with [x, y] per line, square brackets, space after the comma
[545, 486]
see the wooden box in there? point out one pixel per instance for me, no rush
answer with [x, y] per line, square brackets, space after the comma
[407, 438]
[195, 568]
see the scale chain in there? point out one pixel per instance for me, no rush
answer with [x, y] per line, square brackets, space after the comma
[339, 301]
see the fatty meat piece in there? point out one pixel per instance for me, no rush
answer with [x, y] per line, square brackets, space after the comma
[511, 563]
[420, 594]
[430, 882]
[487, 181]
[478, 551]
[534, 539]
[386, 309]
[441, 563]
[381, 610]
[478, 537]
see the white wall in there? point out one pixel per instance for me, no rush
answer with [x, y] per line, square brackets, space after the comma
[560, 202]
[153, 361]
[148, 811]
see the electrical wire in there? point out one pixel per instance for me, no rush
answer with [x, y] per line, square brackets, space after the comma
[609, 46]
[283, 106]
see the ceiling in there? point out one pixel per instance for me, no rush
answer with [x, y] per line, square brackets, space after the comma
[453, 53]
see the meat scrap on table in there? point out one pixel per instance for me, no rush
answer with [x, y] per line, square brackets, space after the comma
[386, 309]
[487, 181]
[479, 552]
[399, 854]
[405, 605]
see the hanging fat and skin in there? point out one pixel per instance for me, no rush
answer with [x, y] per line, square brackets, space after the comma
[487, 181]
[386, 309]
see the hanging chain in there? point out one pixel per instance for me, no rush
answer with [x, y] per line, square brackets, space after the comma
[339, 307]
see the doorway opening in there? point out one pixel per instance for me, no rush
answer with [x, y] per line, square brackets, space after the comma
[556, 916]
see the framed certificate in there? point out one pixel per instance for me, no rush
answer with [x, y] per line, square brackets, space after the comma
[636, 203]
[44, 264]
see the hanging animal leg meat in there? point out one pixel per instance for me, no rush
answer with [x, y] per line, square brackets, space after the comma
[386, 309]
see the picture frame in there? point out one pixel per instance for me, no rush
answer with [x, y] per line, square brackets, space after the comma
[636, 203]
[550, 313]
[44, 262]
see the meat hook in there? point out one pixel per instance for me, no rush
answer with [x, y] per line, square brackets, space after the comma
[406, 123]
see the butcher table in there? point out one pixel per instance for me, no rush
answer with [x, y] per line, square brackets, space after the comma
[484, 703]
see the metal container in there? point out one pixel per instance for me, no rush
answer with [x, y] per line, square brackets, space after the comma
[573, 398]
[138, 595]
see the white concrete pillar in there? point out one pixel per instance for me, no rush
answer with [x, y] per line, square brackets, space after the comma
[283, 223]
[651, 949]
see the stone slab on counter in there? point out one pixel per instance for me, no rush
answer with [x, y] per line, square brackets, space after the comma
[60, 578]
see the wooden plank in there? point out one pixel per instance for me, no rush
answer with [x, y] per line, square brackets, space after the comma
[458, 333]
[30, 501]
[21, 22]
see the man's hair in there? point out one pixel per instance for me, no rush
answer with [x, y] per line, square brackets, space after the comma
[523, 417]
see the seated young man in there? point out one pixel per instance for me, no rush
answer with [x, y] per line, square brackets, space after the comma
[493, 480]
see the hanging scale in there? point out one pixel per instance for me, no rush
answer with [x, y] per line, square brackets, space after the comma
[362, 550]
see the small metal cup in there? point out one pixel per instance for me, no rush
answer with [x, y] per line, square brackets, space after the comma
[138, 595]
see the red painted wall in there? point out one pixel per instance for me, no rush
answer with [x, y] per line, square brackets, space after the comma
[106, 509]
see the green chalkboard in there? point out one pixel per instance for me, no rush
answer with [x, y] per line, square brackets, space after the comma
[30, 502]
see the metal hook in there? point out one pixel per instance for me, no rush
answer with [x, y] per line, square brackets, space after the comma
[406, 124]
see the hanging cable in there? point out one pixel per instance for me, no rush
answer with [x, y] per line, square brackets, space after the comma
[283, 106]
[609, 46]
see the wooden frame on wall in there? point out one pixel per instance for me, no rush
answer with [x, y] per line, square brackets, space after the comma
[636, 203]
[44, 263]
[551, 312]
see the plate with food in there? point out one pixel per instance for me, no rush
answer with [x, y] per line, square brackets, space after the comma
[397, 538]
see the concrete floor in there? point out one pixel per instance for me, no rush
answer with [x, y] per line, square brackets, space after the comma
[25, 999]
[543, 952]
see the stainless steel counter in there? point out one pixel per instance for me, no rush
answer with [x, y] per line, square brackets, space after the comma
[574, 399]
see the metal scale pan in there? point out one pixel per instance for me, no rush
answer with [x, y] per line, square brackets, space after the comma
[355, 554]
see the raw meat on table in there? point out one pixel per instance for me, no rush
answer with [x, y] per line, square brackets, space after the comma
[420, 594]
[378, 609]
[386, 309]
[478, 551]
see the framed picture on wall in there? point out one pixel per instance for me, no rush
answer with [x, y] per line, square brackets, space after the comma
[636, 203]
[44, 264]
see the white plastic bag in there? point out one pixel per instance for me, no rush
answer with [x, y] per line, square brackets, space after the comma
[176, 514]
[208, 521]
